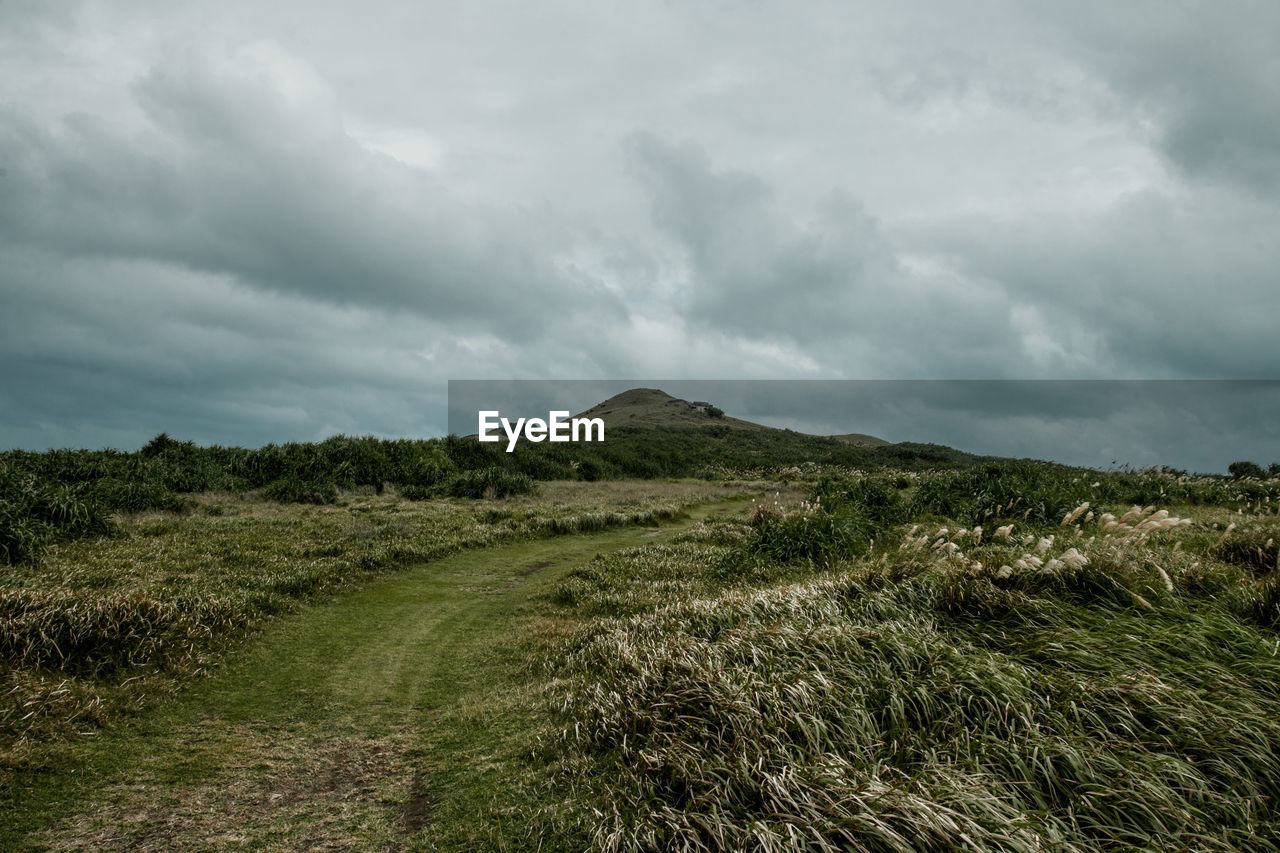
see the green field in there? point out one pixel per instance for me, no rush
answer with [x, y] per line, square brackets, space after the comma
[973, 654]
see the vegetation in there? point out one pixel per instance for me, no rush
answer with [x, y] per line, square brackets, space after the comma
[396, 716]
[35, 512]
[1244, 468]
[985, 659]
[65, 494]
[100, 625]
[894, 648]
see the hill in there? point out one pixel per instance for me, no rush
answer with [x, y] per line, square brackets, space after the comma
[651, 408]
[858, 439]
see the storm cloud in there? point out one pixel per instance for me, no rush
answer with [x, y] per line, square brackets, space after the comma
[241, 224]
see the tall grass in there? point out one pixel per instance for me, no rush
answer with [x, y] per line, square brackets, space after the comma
[942, 481]
[1026, 674]
[35, 512]
[99, 624]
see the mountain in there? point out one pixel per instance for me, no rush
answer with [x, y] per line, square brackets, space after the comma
[652, 408]
[859, 439]
[649, 407]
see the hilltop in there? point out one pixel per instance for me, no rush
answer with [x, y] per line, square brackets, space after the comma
[651, 408]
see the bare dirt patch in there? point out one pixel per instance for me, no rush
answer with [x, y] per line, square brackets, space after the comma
[416, 810]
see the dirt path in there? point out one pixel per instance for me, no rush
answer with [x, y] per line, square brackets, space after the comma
[397, 716]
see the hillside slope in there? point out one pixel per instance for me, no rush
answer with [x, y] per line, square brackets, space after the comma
[652, 408]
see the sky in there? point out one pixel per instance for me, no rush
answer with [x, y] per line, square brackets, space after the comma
[240, 222]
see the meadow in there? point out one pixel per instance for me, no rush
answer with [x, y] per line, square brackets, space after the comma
[116, 609]
[883, 649]
[1008, 659]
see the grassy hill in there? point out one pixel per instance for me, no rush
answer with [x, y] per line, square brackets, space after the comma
[858, 439]
[652, 408]
[882, 648]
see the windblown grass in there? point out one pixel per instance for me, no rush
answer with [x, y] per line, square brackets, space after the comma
[102, 624]
[1029, 674]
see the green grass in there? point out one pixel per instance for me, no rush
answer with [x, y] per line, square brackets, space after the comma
[898, 661]
[1099, 685]
[109, 623]
[399, 712]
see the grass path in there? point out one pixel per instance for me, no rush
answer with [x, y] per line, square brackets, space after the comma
[397, 716]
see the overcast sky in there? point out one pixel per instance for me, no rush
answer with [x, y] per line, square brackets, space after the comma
[243, 222]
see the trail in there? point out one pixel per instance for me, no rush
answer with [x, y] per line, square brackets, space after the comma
[396, 716]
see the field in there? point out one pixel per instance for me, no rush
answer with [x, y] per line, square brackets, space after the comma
[931, 654]
[1107, 683]
[126, 614]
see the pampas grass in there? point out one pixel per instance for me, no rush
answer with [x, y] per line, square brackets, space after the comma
[1107, 686]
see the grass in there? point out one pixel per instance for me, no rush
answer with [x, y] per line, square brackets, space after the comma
[1107, 684]
[65, 494]
[398, 714]
[1008, 657]
[101, 625]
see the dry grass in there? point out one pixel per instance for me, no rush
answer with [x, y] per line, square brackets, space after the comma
[1107, 681]
[267, 787]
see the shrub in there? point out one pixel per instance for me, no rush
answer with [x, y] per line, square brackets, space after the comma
[1039, 493]
[1254, 548]
[21, 538]
[163, 444]
[810, 534]
[134, 495]
[590, 470]
[415, 492]
[35, 511]
[489, 483]
[1244, 468]
[298, 491]
[424, 470]
[869, 497]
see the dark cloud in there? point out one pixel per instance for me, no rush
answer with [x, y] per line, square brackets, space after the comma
[1163, 284]
[1206, 75]
[753, 270]
[275, 222]
[133, 348]
[244, 169]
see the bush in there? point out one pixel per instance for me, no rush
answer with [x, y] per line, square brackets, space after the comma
[424, 470]
[871, 498]
[134, 495]
[1038, 493]
[35, 511]
[162, 444]
[489, 483]
[1243, 468]
[21, 538]
[415, 492]
[298, 491]
[590, 470]
[817, 536]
